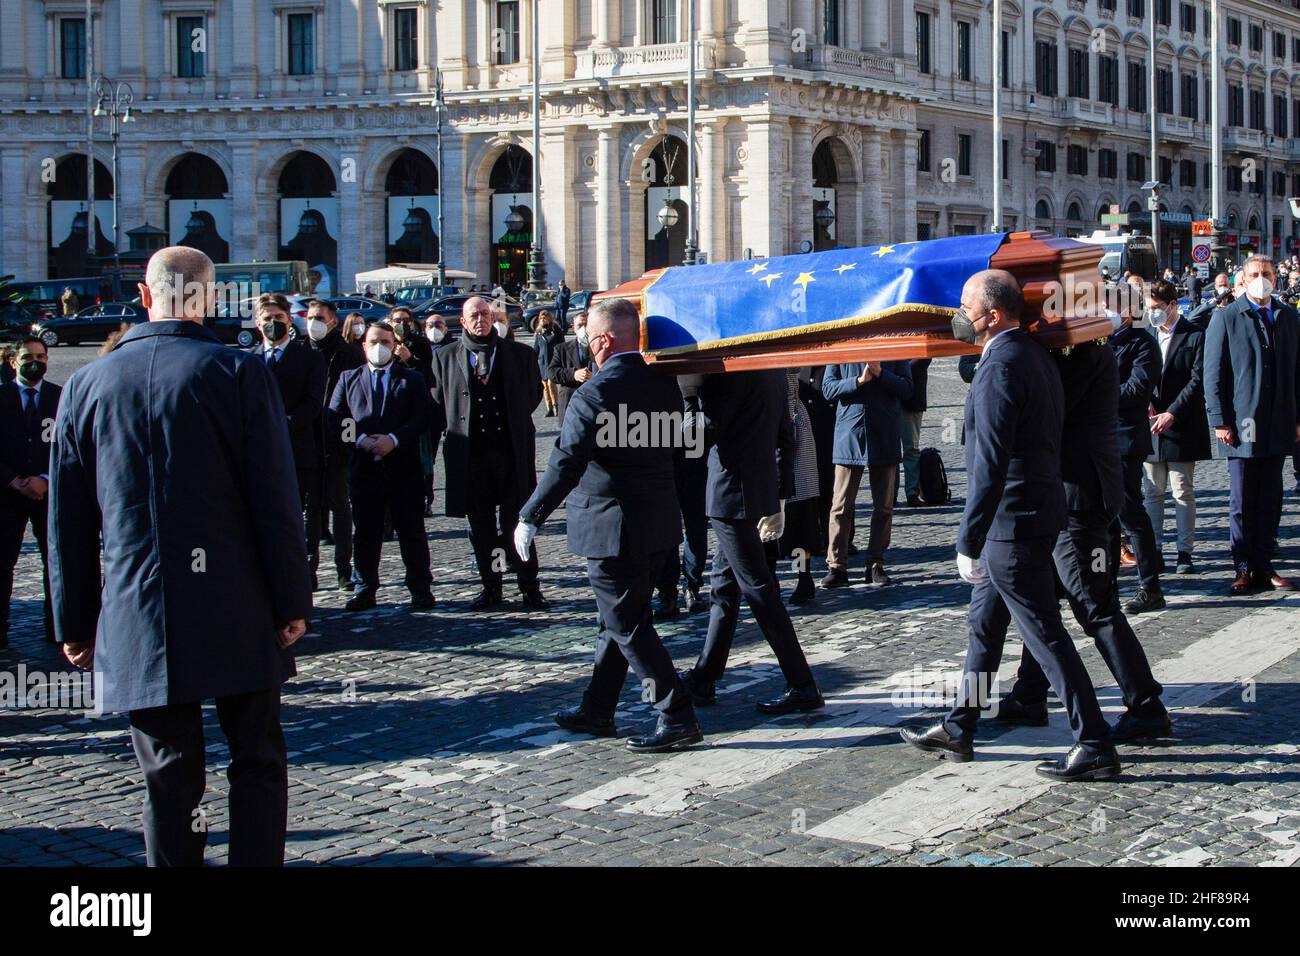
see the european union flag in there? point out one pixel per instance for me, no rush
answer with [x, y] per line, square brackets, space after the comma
[690, 308]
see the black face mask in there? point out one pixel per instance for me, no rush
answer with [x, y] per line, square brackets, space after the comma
[32, 371]
[275, 330]
[963, 329]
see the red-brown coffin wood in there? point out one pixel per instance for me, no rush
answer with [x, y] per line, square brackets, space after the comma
[1039, 260]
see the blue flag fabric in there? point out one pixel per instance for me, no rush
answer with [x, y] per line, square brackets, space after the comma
[691, 308]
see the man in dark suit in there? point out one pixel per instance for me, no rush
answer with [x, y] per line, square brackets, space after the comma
[27, 408]
[1094, 494]
[300, 374]
[174, 449]
[1015, 509]
[751, 443]
[692, 475]
[571, 364]
[1252, 377]
[868, 436]
[485, 388]
[413, 348]
[1179, 428]
[1138, 358]
[381, 409]
[326, 337]
[622, 517]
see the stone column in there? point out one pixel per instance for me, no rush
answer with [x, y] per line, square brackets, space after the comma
[355, 226]
[18, 241]
[801, 182]
[904, 168]
[557, 154]
[709, 188]
[609, 245]
[253, 217]
[872, 192]
[763, 223]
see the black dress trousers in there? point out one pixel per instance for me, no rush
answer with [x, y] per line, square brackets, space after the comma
[168, 743]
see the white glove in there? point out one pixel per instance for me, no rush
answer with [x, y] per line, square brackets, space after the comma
[771, 527]
[971, 570]
[524, 534]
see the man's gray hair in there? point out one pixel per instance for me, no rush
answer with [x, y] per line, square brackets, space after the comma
[619, 316]
[1000, 290]
[1257, 257]
[176, 267]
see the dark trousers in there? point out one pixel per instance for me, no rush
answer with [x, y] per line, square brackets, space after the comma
[623, 587]
[740, 568]
[692, 475]
[1021, 585]
[1089, 586]
[492, 507]
[1136, 522]
[331, 496]
[16, 512]
[168, 743]
[399, 490]
[1254, 507]
[309, 493]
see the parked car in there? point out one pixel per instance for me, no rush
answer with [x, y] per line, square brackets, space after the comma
[372, 310]
[94, 323]
[46, 298]
[451, 306]
[578, 304]
[16, 321]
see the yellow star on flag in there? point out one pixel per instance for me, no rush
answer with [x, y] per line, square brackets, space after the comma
[883, 251]
[846, 267]
[770, 278]
[759, 267]
[804, 279]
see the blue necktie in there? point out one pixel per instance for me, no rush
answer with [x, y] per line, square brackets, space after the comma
[377, 396]
[272, 357]
[29, 404]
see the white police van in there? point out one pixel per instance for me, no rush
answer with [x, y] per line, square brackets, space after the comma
[1124, 252]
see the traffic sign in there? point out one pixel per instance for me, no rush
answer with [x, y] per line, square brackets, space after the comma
[1202, 227]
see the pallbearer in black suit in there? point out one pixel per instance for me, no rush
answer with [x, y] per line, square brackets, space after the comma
[27, 408]
[1094, 494]
[622, 516]
[485, 388]
[173, 451]
[1015, 508]
[300, 373]
[384, 408]
[751, 462]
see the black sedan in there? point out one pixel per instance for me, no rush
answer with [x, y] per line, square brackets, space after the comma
[372, 310]
[450, 308]
[94, 323]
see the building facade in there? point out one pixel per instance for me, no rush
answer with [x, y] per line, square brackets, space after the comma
[267, 129]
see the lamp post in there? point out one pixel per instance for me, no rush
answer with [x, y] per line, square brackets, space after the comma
[439, 104]
[536, 256]
[1154, 119]
[997, 115]
[114, 101]
[92, 231]
[691, 236]
[1216, 145]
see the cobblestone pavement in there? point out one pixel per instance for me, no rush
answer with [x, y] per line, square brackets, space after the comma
[425, 738]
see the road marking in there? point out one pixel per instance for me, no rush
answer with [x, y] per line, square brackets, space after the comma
[750, 756]
[951, 797]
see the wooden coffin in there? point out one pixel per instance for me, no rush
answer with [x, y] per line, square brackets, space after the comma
[1047, 266]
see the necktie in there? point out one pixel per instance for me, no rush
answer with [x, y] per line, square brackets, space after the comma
[272, 356]
[377, 399]
[29, 406]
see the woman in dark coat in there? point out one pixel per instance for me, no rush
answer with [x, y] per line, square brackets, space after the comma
[549, 337]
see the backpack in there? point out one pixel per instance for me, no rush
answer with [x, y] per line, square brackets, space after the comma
[933, 478]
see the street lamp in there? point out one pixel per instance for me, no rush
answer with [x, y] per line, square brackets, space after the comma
[692, 243]
[824, 217]
[515, 221]
[667, 214]
[536, 255]
[114, 101]
[440, 104]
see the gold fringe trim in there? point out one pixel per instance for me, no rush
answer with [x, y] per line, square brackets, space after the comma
[799, 330]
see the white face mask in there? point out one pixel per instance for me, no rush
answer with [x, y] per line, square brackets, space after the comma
[379, 355]
[359, 329]
[317, 329]
[502, 329]
[437, 335]
[1116, 320]
[1259, 288]
[582, 337]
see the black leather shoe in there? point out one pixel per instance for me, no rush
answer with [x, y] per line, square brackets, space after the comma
[578, 721]
[876, 575]
[668, 607]
[666, 737]
[1077, 765]
[485, 600]
[1144, 601]
[1130, 727]
[423, 600]
[534, 601]
[1012, 711]
[836, 578]
[794, 700]
[937, 740]
[1271, 582]
[703, 693]
[345, 582]
[914, 501]
[694, 603]
[1185, 565]
[361, 601]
